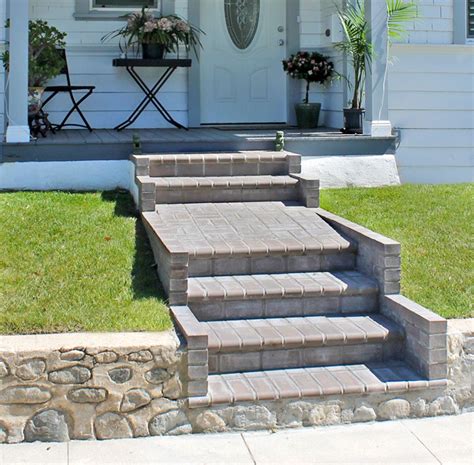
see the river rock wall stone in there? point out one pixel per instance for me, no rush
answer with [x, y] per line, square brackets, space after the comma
[89, 386]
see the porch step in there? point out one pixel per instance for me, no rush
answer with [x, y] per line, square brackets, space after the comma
[224, 189]
[281, 295]
[265, 344]
[250, 238]
[218, 164]
[299, 383]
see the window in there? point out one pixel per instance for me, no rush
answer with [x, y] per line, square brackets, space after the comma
[470, 19]
[463, 21]
[123, 4]
[114, 9]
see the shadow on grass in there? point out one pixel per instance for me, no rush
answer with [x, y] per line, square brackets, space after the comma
[145, 280]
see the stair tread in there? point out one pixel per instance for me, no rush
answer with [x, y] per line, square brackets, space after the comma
[278, 333]
[226, 157]
[244, 182]
[390, 376]
[209, 230]
[284, 285]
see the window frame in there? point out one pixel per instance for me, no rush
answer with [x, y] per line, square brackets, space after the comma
[470, 38]
[117, 8]
[460, 23]
[84, 10]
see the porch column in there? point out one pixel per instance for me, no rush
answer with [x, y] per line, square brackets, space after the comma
[376, 90]
[18, 130]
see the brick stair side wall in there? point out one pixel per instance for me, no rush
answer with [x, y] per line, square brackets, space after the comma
[425, 335]
[378, 256]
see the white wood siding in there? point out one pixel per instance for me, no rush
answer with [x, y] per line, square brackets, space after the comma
[90, 63]
[431, 100]
[315, 18]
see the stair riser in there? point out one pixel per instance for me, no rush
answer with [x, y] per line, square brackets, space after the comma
[218, 169]
[303, 357]
[214, 195]
[231, 266]
[288, 307]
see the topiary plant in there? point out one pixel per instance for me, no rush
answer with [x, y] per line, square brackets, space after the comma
[45, 62]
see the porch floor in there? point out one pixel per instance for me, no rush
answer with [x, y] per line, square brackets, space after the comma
[107, 144]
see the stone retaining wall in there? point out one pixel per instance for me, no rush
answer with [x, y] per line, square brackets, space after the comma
[86, 386]
[104, 386]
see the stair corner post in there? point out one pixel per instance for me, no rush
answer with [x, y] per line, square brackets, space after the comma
[377, 122]
[18, 130]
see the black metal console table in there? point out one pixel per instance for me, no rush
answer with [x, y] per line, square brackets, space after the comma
[171, 66]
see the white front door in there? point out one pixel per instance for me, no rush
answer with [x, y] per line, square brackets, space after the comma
[242, 80]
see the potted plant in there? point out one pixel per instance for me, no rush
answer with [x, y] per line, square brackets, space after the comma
[311, 67]
[358, 48]
[44, 62]
[156, 36]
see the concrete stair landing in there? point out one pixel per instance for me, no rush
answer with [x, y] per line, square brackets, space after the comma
[276, 298]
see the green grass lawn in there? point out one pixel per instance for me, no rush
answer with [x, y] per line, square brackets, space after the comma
[82, 262]
[435, 226]
[76, 262]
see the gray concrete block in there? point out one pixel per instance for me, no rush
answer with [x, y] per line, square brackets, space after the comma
[197, 372]
[235, 362]
[342, 261]
[268, 265]
[208, 310]
[198, 357]
[196, 388]
[230, 266]
[287, 358]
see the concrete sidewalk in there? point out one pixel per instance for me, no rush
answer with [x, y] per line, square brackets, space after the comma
[444, 440]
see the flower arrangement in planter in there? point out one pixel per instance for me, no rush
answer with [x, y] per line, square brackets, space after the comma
[313, 67]
[44, 61]
[156, 36]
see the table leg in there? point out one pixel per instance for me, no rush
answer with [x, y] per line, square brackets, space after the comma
[150, 97]
[154, 100]
[146, 100]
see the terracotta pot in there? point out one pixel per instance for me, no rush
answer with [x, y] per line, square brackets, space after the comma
[307, 115]
[153, 51]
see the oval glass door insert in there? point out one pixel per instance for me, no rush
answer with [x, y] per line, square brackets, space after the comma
[242, 17]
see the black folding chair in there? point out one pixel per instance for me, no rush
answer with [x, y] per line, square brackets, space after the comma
[70, 89]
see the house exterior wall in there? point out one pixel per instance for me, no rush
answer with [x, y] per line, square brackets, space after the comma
[431, 101]
[431, 92]
[315, 19]
[90, 63]
[3, 15]
[430, 83]
[431, 98]
[435, 23]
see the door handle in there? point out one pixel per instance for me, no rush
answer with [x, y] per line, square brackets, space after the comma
[281, 42]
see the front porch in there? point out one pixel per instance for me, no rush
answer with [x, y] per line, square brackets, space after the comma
[107, 144]
[115, 96]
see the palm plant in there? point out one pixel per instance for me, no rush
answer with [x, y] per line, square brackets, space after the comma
[357, 45]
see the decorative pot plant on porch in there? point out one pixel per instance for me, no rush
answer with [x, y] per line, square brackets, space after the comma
[44, 61]
[358, 47]
[311, 67]
[156, 36]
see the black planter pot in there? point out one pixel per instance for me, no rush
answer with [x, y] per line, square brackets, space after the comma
[153, 51]
[353, 120]
[307, 115]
